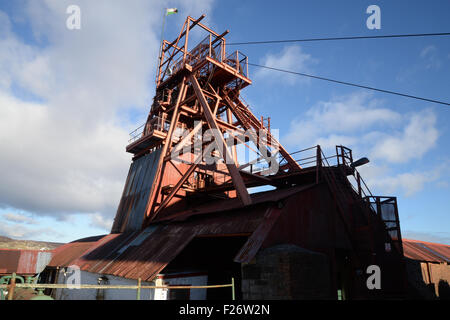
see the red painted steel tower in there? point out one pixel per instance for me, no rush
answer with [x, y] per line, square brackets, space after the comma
[193, 151]
[187, 150]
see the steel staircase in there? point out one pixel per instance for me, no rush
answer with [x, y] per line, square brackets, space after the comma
[367, 229]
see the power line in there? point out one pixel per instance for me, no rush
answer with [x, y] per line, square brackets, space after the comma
[350, 84]
[344, 38]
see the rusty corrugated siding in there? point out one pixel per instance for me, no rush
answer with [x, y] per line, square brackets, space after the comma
[24, 262]
[131, 210]
[9, 260]
[104, 251]
[144, 254]
[43, 259]
[440, 250]
[426, 251]
[148, 259]
[27, 262]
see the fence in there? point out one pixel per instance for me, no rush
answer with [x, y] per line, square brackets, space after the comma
[211, 46]
[11, 286]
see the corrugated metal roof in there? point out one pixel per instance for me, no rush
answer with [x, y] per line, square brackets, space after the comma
[64, 255]
[426, 251]
[25, 262]
[43, 259]
[9, 260]
[144, 254]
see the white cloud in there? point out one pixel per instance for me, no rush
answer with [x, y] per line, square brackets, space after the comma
[416, 138]
[387, 137]
[66, 153]
[14, 55]
[290, 58]
[359, 120]
[52, 165]
[346, 118]
[18, 218]
[408, 183]
[99, 221]
[22, 232]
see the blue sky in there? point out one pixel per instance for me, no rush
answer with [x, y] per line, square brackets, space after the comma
[69, 98]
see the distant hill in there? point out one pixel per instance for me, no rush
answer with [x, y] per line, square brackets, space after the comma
[8, 243]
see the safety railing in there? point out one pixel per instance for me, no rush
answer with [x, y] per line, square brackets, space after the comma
[315, 157]
[157, 123]
[239, 61]
[136, 133]
[306, 158]
[10, 287]
[200, 51]
[211, 47]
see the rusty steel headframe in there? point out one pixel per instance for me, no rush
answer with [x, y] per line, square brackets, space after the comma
[196, 90]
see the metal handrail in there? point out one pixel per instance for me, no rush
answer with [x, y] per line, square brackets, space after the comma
[346, 157]
[155, 123]
[135, 134]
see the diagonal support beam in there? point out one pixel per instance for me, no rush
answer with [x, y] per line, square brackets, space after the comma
[185, 141]
[224, 153]
[292, 163]
[250, 125]
[251, 132]
[168, 142]
[183, 179]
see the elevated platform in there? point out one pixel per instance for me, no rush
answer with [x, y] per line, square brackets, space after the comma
[147, 141]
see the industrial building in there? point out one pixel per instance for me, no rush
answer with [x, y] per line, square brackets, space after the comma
[25, 263]
[428, 269]
[186, 216]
